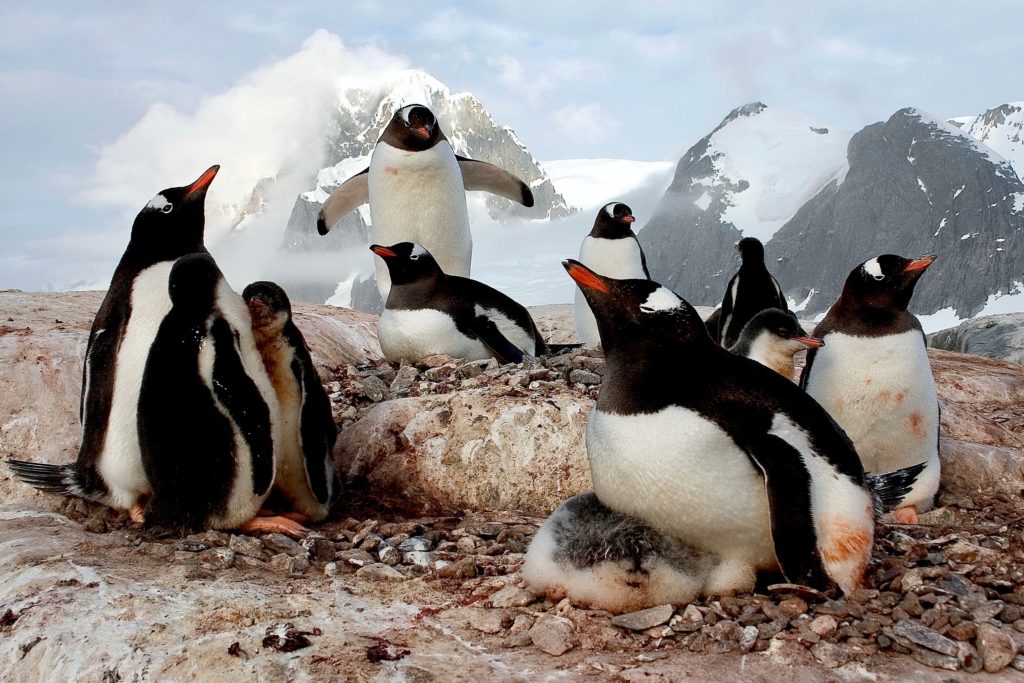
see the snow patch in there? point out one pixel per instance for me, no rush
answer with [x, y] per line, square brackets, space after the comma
[703, 202]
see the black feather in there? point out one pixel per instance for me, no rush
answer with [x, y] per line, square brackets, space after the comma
[889, 489]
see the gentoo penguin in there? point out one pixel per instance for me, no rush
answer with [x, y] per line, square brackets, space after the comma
[109, 465]
[208, 417]
[873, 374]
[718, 451]
[428, 312]
[602, 559]
[416, 187]
[750, 290]
[305, 470]
[772, 338]
[611, 249]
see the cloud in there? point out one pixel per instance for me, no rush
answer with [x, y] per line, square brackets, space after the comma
[587, 123]
[848, 50]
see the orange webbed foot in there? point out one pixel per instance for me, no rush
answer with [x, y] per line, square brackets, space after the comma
[906, 515]
[137, 513]
[276, 524]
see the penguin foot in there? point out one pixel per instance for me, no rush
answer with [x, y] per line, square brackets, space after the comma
[906, 515]
[136, 513]
[278, 524]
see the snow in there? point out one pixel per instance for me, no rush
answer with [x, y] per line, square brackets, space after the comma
[942, 224]
[996, 304]
[953, 132]
[784, 162]
[1018, 202]
[703, 202]
[1002, 133]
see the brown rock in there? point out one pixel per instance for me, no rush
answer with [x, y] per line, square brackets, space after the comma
[512, 596]
[995, 648]
[488, 620]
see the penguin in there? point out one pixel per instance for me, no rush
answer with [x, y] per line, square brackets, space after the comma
[305, 469]
[611, 249]
[718, 451]
[772, 338]
[602, 559]
[208, 417]
[428, 312]
[874, 377]
[416, 187]
[750, 290]
[109, 466]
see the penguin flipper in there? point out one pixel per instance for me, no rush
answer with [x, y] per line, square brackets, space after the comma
[480, 175]
[491, 337]
[65, 480]
[889, 489]
[349, 195]
[788, 486]
[318, 431]
[806, 372]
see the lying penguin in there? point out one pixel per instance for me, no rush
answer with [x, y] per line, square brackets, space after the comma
[874, 378]
[428, 312]
[720, 453]
[772, 338]
[416, 187]
[305, 469]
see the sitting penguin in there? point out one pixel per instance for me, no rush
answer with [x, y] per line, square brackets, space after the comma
[772, 338]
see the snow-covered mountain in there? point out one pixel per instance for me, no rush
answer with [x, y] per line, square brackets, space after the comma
[911, 185]
[1001, 129]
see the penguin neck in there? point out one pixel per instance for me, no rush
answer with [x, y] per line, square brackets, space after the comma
[860, 319]
[422, 293]
[647, 375]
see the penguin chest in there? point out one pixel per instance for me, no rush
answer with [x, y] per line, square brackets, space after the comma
[414, 334]
[684, 475]
[420, 197]
[120, 463]
[881, 392]
[620, 259]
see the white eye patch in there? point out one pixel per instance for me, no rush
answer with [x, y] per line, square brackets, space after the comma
[610, 209]
[416, 252]
[404, 112]
[661, 299]
[873, 269]
[160, 203]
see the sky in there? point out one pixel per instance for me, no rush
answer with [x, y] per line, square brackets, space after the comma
[104, 104]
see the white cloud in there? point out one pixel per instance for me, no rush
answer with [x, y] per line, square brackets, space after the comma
[846, 49]
[587, 123]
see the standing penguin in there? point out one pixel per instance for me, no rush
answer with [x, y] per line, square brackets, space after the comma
[874, 377]
[610, 249]
[718, 451]
[750, 290]
[416, 187]
[208, 418]
[305, 470]
[772, 338]
[428, 312]
[109, 466]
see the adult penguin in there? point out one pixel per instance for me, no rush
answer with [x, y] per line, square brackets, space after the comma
[750, 290]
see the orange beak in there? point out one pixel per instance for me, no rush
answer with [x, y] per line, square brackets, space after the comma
[422, 131]
[203, 181]
[628, 219]
[920, 264]
[382, 251]
[585, 277]
[810, 342]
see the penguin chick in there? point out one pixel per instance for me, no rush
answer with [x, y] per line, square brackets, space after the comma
[428, 312]
[606, 560]
[305, 470]
[750, 290]
[772, 338]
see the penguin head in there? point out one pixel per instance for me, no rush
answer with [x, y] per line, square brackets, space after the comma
[172, 222]
[193, 282]
[886, 281]
[751, 250]
[407, 262]
[268, 305]
[413, 127]
[636, 309]
[613, 221]
[780, 329]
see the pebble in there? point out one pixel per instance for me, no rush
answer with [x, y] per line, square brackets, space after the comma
[748, 638]
[830, 655]
[512, 596]
[380, 572]
[373, 388]
[319, 548]
[414, 543]
[248, 546]
[584, 377]
[464, 568]
[522, 623]
[552, 634]
[331, 569]
[193, 544]
[389, 555]
[823, 625]
[223, 558]
[404, 380]
[995, 648]
[793, 606]
[295, 566]
[645, 618]
[488, 620]
[279, 543]
[484, 529]
[688, 621]
[356, 557]
[418, 558]
[923, 636]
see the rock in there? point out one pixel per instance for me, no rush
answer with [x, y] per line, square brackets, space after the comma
[748, 638]
[248, 546]
[487, 620]
[318, 548]
[823, 625]
[294, 566]
[404, 380]
[992, 336]
[584, 377]
[512, 596]
[925, 637]
[793, 606]
[830, 655]
[645, 618]
[414, 543]
[279, 543]
[552, 634]
[460, 569]
[372, 387]
[995, 648]
[390, 555]
[355, 557]
[418, 558]
[380, 572]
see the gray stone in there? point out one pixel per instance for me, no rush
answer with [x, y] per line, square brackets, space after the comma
[419, 558]
[748, 638]
[552, 634]
[995, 648]
[248, 546]
[404, 380]
[279, 543]
[355, 556]
[830, 655]
[487, 620]
[373, 388]
[584, 377]
[389, 555]
[319, 548]
[992, 336]
[645, 618]
[823, 625]
[380, 572]
[414, 543]
[925, 637]
[512, 596]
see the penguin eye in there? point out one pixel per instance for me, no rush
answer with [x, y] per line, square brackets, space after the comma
[167, 208]
[414, 257]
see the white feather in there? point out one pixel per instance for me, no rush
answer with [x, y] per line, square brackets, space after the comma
[424, 332]
[620, 259]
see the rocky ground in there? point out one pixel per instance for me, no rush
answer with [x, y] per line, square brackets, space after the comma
[415, 576]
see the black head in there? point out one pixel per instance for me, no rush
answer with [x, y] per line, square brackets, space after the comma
[751, 250]
[268, 304]
[413, 127]
[173, 221]
[633, 311]
[193, 282]
[885, 282]
[408, 262]
[613, 221]
[783, 325]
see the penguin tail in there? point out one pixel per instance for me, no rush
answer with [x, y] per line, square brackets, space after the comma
[889, 489]
[65, 480]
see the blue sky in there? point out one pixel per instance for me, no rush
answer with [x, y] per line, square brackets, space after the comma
[82, 83]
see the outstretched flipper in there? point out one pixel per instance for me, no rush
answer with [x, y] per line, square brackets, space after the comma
[491, 337]
[349, 195]
[65, 480]
[480, 175]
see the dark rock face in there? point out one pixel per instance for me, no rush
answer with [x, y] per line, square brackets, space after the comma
[914, 186]
[992, 336]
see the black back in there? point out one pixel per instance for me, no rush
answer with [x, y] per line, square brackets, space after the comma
[756, 290]
[164, 230]
[188, 445]
[413, 128]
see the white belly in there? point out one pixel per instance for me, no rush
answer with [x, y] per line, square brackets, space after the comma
[620, 259]
[120, 463]
[415, 334]
[420, 197]
[684, 475]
